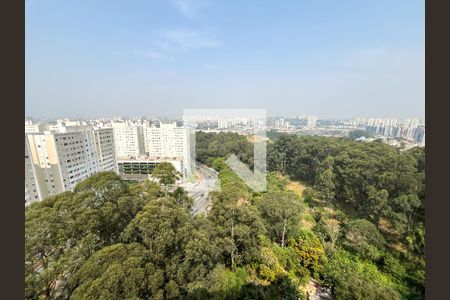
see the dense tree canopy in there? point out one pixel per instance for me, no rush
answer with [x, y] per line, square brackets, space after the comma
[354, 134]
[356, 227]
[281, 211]
[209, 146]
[166, 174]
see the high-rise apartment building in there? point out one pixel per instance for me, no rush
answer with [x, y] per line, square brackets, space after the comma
[31, 192]
[279, 122]
[128, 139]
[419, 136]
[168, 141]
[312, 120]
[56, 161]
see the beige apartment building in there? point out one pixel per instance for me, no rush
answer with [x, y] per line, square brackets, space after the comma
[56, 161]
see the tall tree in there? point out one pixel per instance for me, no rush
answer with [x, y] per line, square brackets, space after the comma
[325, 186]
[363, 238]
[166, 173]
[120, 271]
[236, 229]
[281, 213]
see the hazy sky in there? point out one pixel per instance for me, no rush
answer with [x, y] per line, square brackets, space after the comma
[89, 58]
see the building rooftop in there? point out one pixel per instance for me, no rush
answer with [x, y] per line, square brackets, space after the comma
[144, 158]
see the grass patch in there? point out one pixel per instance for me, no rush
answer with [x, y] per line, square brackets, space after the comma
[297, 187]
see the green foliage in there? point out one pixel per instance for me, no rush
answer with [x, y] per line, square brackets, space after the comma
[166, 173]
[359, 228]
[416, 239]
[370, 181]
[162, 234]
[289, 262]
[182, 198]
[266, 273]
[145, 190]
[310, 251]
[119, 271]
[231, 183]
[325, 185]
[106, 186]
[363, 238]
[219, 164]
[275, 182]
[281, 213]
[354, 134]
[328, 231]
[226, 282]
[62, 231]
[391, 265]
[351, 278]
[269, 266]
[209, 146]
[236, 227]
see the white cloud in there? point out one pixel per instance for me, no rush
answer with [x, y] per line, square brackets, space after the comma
[172, 43]
[168, 44]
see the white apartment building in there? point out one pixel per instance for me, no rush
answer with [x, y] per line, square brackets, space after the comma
[128, 139]
[31, 127]
[168, 141]
[55, 162]
[312, 121]
[164, 141]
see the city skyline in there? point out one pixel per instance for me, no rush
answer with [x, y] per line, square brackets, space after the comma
[180, 116]
[333, 60]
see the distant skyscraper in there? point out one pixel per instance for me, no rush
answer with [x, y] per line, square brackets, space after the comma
[279, 123]
[419, 136]
[312, 120]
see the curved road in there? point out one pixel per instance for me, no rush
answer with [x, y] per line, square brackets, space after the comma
[208, 182]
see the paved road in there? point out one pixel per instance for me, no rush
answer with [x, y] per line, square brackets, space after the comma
[208, 182]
